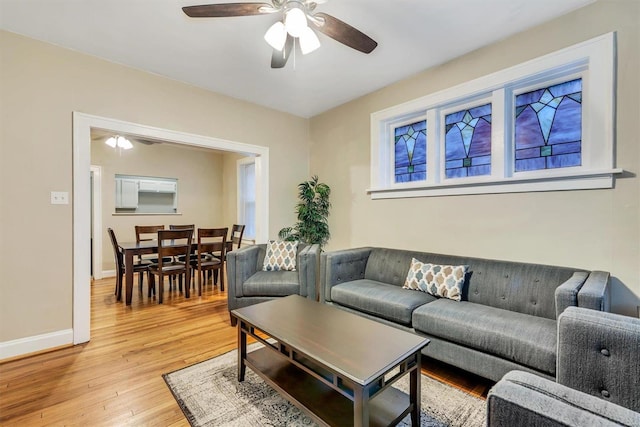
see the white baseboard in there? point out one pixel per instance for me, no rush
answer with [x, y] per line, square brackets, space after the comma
[35, 343]
[108, 273]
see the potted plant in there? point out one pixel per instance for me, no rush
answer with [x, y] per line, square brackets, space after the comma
[313, 212]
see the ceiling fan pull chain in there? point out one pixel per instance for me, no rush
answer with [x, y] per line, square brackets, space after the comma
[294, 53]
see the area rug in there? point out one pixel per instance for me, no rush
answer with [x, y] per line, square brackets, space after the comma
[210, 395]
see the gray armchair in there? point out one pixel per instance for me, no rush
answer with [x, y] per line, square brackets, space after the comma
[598, 377]
[249, 285]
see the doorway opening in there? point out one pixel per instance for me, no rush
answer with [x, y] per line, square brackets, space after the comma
[82, 203]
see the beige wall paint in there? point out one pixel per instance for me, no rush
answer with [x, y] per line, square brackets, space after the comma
[200, 187]
[40, 86]
[596, 229]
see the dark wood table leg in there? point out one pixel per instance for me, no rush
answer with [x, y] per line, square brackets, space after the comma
[242, 350]
[361, 407]
[414, 391]
[128, 281]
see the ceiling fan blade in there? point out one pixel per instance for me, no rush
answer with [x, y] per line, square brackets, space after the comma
[279, 57]
[228, 9]
[343, 32]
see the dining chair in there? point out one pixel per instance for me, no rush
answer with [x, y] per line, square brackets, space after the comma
[145, 233]
[210, 241]
[140, 266]
[236, 237]
[171, 245]
[192, 227]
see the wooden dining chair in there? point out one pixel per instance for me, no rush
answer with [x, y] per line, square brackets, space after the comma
[185, 227]
[237, 231]
[210, 241]
[192, 227]
[145, 233]
[140, 266]
[171, 245]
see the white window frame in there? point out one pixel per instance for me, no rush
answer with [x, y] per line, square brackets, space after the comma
[592, 60]
[241, 183]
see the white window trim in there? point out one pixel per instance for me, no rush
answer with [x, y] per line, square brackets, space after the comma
[240, 190]
[592, 60]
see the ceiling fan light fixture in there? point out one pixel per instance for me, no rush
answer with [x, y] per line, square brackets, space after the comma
[120, 142]
[276, 36]
[308, 41]
[111, 142]
[295, 20]
[124, 143]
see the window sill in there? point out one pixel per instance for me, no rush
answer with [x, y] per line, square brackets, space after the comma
[574, 181]
[145, 214]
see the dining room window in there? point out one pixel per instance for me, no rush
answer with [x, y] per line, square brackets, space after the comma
[247, 196]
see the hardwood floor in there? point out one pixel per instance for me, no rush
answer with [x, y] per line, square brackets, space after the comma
[116, 378]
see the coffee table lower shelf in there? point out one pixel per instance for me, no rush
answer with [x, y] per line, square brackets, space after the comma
[325, 405]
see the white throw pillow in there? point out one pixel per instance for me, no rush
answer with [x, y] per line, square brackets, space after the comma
[281, 255]
[438, 280]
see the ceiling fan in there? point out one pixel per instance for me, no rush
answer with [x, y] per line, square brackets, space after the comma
[297, 15]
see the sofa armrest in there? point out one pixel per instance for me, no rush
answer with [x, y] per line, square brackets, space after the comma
[241, 264]
[599, 354]
[594, 294]
[524, 399]
[308, 260]
[341, 266]
[567, 293]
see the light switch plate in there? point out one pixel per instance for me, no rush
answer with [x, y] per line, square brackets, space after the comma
[59, 197]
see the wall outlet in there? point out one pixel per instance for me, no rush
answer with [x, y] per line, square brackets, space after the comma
[59, 197]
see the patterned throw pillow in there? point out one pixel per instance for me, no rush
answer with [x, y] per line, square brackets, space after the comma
[438, 280]
[281, 255]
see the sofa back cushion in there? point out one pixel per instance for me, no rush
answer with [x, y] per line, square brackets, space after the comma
[521, 287]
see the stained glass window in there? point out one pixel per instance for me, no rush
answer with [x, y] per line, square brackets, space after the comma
[548, 127]
[468, 142]
[411, 152]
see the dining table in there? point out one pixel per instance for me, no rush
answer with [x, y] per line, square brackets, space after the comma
[129, 251]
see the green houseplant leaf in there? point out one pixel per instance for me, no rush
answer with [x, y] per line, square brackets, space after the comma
[313, 213]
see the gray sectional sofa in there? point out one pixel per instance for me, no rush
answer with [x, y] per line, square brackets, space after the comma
[506, 320]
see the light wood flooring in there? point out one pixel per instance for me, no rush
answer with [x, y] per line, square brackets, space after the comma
[116, 378]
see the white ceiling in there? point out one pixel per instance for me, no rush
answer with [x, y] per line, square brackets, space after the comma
[230, 56]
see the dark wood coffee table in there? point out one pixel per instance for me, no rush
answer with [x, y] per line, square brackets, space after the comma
[336, 366]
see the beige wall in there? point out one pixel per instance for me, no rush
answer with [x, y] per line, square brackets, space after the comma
[200, 187]
[40, 86]
[595, 229]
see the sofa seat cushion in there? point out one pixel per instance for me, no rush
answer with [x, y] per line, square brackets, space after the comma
[521, 338]
[389, 302]
[271, 284]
